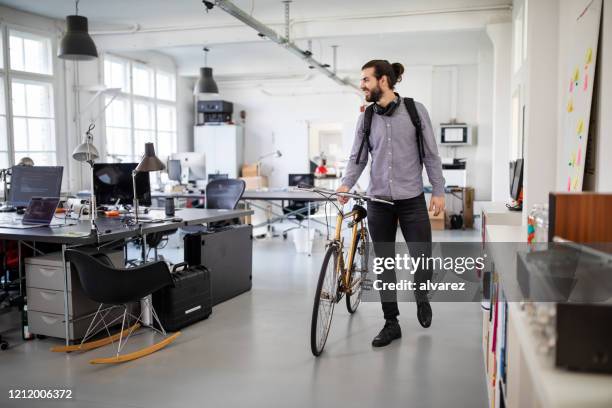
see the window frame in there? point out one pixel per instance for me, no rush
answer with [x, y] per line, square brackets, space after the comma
[7, 75]
[135, 98]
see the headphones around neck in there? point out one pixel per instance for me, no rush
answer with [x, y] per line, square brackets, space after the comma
[387, 110]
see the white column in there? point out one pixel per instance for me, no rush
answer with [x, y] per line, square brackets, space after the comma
[501, 37]
[541, 103]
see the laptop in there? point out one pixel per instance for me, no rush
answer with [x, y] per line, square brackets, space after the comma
[39, 213]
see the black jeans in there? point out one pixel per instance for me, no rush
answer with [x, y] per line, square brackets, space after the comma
[416, 229]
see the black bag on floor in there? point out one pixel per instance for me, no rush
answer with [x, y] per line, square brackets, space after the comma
[189, 301]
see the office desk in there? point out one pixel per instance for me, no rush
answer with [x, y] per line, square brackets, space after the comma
[109, 230]
[289, 195]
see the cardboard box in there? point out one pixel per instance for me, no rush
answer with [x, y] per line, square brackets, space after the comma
[437, 221]
[250, 170]
[255, 183]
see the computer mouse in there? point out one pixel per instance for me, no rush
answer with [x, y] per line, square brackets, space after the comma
[21, 211]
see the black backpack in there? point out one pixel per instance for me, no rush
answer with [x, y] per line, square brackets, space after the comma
[414, 117]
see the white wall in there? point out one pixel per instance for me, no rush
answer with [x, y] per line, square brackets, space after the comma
[278, 118]
[603, 181]
[600, 133]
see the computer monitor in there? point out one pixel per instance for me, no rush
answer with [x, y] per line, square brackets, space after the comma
[516, 174]
[34, 181]
[217, 176]
[174, 170]
[113, 182]
[298, 179]
[193, 166]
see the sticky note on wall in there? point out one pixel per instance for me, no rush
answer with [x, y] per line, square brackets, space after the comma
[588, 58]
[580, 127]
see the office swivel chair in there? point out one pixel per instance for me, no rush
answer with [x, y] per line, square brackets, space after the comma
[298, 210]
[221, 194]
[117, 287]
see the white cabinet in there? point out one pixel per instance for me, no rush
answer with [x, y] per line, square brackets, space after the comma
[223, 146]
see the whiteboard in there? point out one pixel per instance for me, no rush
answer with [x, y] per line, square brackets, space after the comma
[578, 91]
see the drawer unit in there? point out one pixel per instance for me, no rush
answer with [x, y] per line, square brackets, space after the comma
[52, 324]
[45, 294]
[52, 301]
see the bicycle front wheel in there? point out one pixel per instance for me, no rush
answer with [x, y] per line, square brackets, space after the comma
[325, 299]
[358, 273]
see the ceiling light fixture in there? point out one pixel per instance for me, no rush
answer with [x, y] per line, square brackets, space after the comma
[206, 84]
[76, 44]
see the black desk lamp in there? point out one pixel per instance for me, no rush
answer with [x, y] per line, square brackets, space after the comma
[150, 162]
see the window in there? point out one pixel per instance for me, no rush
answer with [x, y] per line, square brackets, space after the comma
[166, 130]
[166, 88]
[144, 112]
[27, 113]
[4, 161]
[33, 123]
[30, 53]
[144, 126]
[116, 74]
[118, 130]
[143, 80]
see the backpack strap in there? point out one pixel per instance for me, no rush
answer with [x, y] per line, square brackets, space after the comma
[416, 121]
[367, 124]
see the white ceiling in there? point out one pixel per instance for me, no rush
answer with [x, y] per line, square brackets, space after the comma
[363, 29]
[163, 13]
[262, 57]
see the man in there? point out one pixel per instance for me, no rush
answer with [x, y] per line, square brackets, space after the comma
[398, 153]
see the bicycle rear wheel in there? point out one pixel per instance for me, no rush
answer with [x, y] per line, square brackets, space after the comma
[325, 299]
[358, 273]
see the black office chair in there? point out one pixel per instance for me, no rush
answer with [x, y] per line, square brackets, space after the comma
[298, 210]
[117, 287]
[224, 193]
[221, 194]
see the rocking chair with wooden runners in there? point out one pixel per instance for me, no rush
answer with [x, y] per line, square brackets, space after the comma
[117, 287]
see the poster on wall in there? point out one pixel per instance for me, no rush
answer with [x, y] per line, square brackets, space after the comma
[578, 94]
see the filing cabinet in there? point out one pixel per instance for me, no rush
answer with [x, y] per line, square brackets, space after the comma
[45, 294]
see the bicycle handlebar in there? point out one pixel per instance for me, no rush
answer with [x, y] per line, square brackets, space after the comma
[331, 193]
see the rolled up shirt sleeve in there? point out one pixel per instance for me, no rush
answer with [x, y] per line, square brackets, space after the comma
[353, 170]
[431, 161]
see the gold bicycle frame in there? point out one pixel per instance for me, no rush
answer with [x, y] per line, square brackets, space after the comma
[356, 229]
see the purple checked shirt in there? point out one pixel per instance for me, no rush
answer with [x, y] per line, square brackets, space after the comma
[395, 170]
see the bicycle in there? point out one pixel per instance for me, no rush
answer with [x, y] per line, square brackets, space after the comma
[340, 276]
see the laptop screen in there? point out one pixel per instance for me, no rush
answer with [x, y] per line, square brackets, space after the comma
[40, 210]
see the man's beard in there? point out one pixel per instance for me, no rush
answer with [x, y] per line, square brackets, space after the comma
[374, 95]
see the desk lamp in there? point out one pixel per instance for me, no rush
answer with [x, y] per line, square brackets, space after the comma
[276, 154]
[150, 162]
[87, 152]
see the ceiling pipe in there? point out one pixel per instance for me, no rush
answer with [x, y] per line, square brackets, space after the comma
[267, 32]
[137, 28]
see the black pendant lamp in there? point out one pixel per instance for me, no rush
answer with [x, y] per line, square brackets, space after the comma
[76, 43]
[206, 83]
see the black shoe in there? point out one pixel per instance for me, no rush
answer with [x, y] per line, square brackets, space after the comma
[424, 313]
[390, 332]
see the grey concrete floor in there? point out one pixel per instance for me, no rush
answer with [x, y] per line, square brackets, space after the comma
[254, 351]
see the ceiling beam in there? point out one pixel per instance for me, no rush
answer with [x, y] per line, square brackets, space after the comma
[267, 32]
[139, 38]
